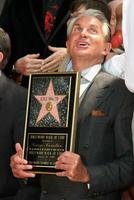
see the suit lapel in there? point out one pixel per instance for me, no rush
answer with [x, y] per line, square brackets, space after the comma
[96, 94]
[38, 18]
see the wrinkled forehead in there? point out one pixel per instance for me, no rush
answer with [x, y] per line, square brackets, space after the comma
[87, 21]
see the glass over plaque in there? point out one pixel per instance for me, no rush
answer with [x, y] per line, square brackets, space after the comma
[50, 125]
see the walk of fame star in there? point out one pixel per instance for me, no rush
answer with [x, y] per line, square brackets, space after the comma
[49, 103]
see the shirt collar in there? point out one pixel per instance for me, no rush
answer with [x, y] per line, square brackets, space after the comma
[89, 73]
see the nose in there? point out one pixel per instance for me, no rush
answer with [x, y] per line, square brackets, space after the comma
[84, 33]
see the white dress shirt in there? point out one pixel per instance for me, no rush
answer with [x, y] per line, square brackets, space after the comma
[87, 76]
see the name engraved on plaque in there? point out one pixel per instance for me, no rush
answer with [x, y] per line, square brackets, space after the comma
[43, 149]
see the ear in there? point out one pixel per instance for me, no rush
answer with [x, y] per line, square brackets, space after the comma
[1, 57]
[107, 48]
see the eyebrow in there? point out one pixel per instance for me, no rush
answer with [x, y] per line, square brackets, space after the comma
[91, 25]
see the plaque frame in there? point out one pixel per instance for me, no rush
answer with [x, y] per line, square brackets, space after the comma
[51, 130]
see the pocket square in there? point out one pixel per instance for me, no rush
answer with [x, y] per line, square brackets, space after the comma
[97, 113]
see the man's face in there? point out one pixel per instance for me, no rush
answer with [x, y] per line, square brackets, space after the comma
[87, 39]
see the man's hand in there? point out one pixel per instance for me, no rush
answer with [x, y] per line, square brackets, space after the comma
[29, 64]
[72, 167]
[19, 164]
[51, 63]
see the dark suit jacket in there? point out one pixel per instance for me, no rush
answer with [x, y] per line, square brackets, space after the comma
[104, 141]
[12, 109]
[23, 20]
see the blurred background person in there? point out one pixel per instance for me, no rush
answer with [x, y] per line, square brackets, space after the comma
[12, 113]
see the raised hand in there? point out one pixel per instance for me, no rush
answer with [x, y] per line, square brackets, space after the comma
[51, 63]
[29, 64]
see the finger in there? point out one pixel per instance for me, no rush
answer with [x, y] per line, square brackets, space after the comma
[21, 166]
[69, 158]
[50, 66]
[16, 160]
[53, 49]
[58, 50]
[61, 166]
[58, 54]
[53, 68]
[50, 59]
[31, 69]
[35, 62]
[18, 157]
[23, 174]
[34, 66]
[64, 156]
[18, 148]
[33, 55]
[65, 174]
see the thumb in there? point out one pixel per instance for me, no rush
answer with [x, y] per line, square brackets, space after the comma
[19, 149]
[53, 49]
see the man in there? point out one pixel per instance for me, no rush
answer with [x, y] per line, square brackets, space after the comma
[33, 26]
[102, 164]
[12, 101]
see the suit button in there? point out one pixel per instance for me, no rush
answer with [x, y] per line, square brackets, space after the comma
[86, 146]
[63, 199]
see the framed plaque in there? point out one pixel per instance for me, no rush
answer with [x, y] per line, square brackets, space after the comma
[50, 125]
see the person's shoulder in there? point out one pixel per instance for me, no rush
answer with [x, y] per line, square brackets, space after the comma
[106, 78]
[10, 88]
[115, 83]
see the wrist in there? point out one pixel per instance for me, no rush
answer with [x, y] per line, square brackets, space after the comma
[16, 76]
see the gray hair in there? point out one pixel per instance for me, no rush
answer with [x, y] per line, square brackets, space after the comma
[5, 46]
[94, 13]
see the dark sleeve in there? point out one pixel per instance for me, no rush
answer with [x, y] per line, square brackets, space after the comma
[119, 173]
[19, 121]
